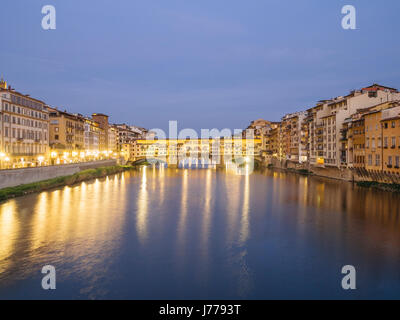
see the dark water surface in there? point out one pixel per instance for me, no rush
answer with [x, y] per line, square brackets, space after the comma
[194, 234]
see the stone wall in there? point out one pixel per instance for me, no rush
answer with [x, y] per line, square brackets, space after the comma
[347, 174]
[333, 173]
[15, 177]
[361, 174]
[328, 172]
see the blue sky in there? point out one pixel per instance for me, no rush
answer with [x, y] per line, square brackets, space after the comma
[207, 64]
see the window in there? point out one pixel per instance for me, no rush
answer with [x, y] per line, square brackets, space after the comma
[370, 159]
[393, 124]
[397, 161]
[385, 142]
[56, 137]
[390, 161]
[367, 143]
[393, 142]
[377, 159]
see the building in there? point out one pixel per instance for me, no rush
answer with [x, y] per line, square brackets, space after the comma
[271, 143]
[390, 128]
[92, 137]
[126, 135]
[66, 136]
[113, 139]
[102, 120]
[259, 126]
[330, 115]
[24, 124]
[356, 141]
[293, 137]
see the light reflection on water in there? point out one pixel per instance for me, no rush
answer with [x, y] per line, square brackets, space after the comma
[164, 233]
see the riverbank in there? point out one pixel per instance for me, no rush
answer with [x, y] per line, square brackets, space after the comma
[89, 174]
[390, 187]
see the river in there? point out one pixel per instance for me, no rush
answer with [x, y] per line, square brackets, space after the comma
[201, 234]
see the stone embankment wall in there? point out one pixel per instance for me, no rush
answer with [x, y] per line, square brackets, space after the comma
[383, 177]
[347, 174]
[328, 172]
[16, 177]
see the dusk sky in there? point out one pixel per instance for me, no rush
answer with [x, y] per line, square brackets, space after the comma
[207, 64]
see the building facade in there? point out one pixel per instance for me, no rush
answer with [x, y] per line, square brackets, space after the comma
[24, 124]
[67, 139]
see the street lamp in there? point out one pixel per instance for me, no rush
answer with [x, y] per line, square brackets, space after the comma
[40, 159]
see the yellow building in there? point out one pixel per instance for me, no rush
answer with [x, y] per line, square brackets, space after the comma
[272, 138]
[390, 124]
[356, 142]
[382, 138]
[66, 136]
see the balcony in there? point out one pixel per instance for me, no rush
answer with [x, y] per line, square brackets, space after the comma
[389, 166]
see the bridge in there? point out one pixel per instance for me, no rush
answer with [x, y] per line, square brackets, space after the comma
[193, 152]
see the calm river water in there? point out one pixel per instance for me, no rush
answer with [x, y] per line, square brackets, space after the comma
[201, 234]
